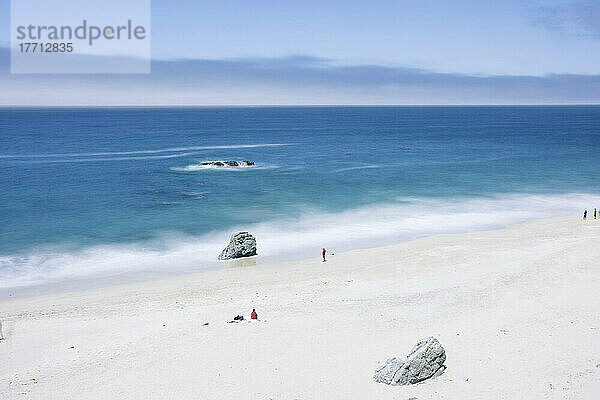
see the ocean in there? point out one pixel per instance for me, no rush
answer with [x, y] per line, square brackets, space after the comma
[121, 193]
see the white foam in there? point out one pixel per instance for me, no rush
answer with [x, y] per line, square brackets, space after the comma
[357, 167]
[391, 223]
[153, 151]
[294, 237]
[82, 160]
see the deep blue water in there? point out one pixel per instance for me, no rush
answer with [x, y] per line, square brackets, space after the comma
[92, 191]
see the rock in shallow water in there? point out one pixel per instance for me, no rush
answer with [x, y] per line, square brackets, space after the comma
[241, 244]
[425, 360]
[231, 163]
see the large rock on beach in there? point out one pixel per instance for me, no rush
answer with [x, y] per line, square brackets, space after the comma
[426, 360]
[241, 244]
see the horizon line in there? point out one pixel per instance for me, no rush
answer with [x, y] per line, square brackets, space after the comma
[297, 105]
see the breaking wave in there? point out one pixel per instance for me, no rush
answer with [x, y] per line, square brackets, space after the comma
[286, 238]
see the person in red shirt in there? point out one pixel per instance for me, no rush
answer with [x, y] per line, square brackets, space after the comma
[254, 315]
[324, 251]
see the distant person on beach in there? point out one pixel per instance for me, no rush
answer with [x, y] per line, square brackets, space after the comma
[324, 252]
[254, 315]
[594, 212]
[584, 217]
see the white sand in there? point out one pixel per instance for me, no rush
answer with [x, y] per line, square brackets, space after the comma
[517, 310]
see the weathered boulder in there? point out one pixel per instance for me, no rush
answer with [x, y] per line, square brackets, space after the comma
[241, 244]
[426, 360]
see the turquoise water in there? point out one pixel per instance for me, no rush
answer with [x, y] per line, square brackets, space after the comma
[97, 192]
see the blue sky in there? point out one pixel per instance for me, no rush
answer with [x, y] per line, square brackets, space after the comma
[483, 37]
[347, 52]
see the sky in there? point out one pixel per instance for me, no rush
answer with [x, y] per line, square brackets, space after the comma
[344, 52]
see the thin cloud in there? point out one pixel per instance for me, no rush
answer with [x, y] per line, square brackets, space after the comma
[290, 80]
[580, 18]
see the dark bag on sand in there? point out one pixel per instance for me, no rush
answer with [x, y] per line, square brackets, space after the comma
[239, 318]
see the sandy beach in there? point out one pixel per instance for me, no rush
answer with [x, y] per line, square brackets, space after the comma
[516, 310]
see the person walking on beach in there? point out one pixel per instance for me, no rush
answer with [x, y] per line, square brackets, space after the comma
[594, 212]
[254, 315]
[584, 217]
[324, 252]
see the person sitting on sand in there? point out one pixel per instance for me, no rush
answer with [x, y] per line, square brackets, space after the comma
[324, 251]
[254, 315]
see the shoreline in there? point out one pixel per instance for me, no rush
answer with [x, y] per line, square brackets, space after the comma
[515, 309]
[46, 271]
[256, 263]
